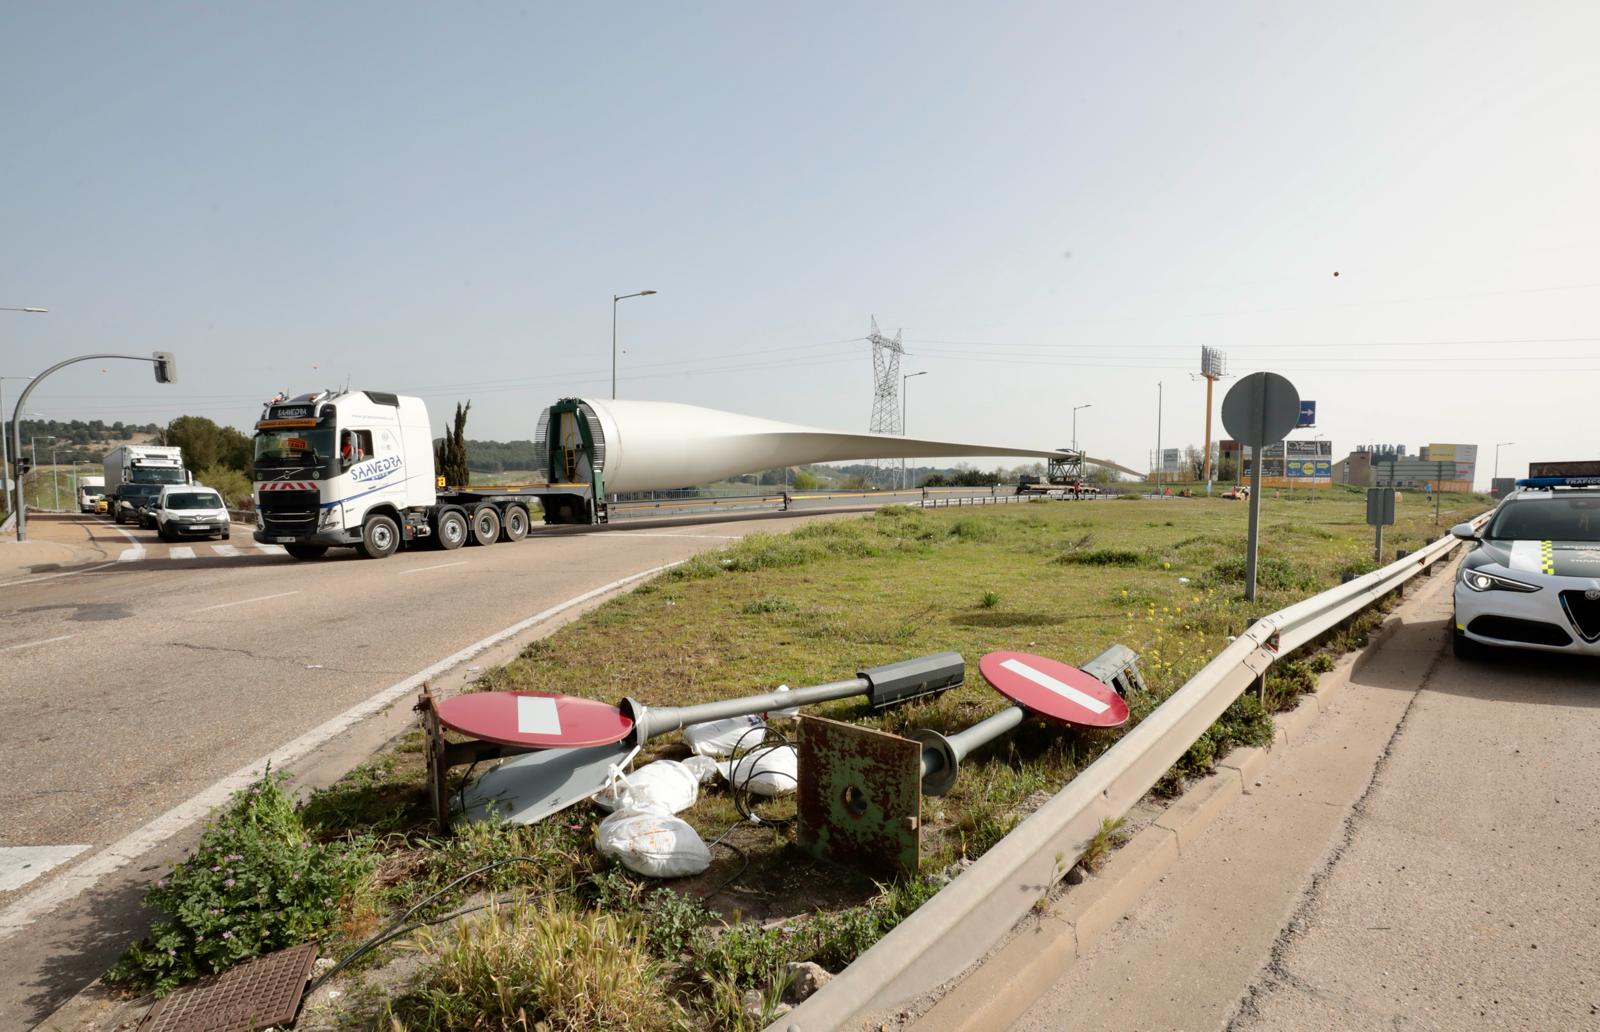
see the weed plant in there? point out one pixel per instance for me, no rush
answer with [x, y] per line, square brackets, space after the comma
[257, 882]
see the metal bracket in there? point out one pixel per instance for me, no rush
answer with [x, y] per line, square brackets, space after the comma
[443, 754]
[860, 797]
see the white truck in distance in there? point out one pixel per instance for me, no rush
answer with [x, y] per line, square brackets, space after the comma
[90, 490]
[141, 464]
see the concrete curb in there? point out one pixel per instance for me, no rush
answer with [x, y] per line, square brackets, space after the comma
[1000, 989]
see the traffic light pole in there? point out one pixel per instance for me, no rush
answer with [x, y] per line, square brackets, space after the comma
[166, 372]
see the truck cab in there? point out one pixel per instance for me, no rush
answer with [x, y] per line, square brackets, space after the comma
[347, 469]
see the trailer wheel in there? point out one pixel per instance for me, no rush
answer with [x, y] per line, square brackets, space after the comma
[450, 529]
[485, 525]
[306, 551]
[514, 523]
[380, 537]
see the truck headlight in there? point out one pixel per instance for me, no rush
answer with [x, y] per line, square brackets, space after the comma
[1477, 580]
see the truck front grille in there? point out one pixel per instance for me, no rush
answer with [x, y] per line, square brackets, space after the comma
[289, 512]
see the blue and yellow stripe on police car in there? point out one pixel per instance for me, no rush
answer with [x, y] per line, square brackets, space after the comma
[1547, 558]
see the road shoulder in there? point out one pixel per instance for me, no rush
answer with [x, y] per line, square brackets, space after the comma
[1184, 916]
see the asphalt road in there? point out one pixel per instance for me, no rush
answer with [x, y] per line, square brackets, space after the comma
[136, 683]
[1425, 858]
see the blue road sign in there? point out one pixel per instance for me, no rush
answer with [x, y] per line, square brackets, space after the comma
[1308, 413]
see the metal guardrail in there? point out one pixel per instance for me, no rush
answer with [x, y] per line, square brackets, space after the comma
[972, 913]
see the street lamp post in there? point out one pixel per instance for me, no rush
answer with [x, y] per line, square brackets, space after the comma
[1075, 409]
[166, 370]
[55, 477]
[1497, 447]
[903, 403]
[614, 299]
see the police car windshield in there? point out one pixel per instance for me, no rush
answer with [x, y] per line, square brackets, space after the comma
[1560, 518]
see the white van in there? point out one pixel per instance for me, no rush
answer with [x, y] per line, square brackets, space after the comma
[190, 510]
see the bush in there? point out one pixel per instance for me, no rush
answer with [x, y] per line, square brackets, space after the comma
[1107, 557]
[256, 883]
[235, 488]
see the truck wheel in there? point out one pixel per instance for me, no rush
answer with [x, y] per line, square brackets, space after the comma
[485, 525]
[380, 537]
[306, 551]
[514, 524]
[450, 529]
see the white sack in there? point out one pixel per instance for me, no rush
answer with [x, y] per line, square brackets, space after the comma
[719, 738]
[704, 768]
[651, 843]
[765, 772]
[663, 785]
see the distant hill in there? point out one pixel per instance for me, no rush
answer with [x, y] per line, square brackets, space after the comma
[79, 441]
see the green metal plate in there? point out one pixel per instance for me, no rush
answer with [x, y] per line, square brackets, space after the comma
[860, 797]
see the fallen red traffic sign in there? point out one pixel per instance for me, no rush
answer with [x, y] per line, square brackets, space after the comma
[1054, 690]
[533, 720]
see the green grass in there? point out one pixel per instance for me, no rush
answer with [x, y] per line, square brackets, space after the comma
[1059, 579]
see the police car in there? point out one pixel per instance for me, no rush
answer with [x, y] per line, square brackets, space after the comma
[1533, 581]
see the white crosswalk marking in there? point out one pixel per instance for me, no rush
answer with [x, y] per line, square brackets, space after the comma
[225, 549]
[270, 549]
[181, 552]
[131, 555]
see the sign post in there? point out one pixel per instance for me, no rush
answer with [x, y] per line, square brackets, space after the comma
[1380, 513]
[1259, 410]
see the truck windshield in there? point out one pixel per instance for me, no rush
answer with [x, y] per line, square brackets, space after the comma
[155, 475]
[194, 500]
[293, 449]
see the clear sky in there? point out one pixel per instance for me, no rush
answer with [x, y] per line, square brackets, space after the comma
[1059, 203]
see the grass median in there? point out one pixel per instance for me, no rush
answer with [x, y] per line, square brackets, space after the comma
[1062, 579]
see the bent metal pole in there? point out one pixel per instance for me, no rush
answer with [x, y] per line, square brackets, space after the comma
[16, 416]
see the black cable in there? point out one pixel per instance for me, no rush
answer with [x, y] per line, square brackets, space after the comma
[739, 788]
[398, 927]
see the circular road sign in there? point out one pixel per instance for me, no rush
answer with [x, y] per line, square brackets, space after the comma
[1261, 409]
[533, 720]
[1054, 690]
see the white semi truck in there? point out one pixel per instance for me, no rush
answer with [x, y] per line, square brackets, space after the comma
[355, 468]
[141, 464]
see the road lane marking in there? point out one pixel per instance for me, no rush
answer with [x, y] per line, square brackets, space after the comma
[78, 879]
[1061, 688]
[246, 601]
[20, 865]
[180, 552]
[270, 549]
[536, 715]
[425, 569]
[41, 641]
[224, 550]
[131, 555]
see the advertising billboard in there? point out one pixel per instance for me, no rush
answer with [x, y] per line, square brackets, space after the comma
[1308, 469]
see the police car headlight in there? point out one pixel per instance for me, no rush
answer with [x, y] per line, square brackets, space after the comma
[1477, 580]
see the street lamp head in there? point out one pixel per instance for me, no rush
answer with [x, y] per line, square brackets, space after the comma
[37, 311]
[646, 293]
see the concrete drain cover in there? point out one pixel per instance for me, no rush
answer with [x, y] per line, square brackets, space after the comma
[257, 994]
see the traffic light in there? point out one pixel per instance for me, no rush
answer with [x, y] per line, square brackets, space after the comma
[166, 367]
